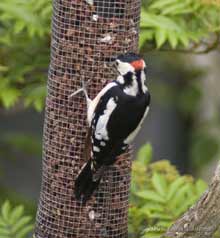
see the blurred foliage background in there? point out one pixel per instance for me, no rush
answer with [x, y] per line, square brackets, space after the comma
[180, 40]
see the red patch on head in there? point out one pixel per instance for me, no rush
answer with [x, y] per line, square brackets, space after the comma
[138, 64]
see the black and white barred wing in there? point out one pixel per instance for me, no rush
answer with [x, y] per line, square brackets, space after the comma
[116, 121]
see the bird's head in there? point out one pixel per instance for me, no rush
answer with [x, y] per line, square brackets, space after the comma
[132, 70]
[129, 62]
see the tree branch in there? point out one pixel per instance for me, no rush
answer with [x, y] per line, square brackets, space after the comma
[203, 219]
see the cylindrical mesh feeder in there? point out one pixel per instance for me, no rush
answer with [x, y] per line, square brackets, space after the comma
[86, 36]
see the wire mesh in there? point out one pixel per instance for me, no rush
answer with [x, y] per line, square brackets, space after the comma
[86, 36]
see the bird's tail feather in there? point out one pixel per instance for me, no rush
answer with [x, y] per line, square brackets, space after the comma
[85, 184]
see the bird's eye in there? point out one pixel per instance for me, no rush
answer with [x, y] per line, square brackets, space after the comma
[116, 63]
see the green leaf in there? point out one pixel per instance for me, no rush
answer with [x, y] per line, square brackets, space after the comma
[161, 4]
[150, 195]
[19, 26]
[9, 96]
[158, 21]
[12, 222]
[2, 222]
[39, 104]
[184, 39]
[4, 232]
[189, 20]
[16, 214]
[35, 95]
[3, 68]
[173, 39]
[24, 231]
[165, 224]
[152, 206]
[5, 211]
[155, 206]
[175, 185]
[46, 11]
[185, 205]
[24, 33]
[144, 154]
[21, 223]
[159, 184]
[176, 9]
[179, 197]
[160, 36]
[145, 35]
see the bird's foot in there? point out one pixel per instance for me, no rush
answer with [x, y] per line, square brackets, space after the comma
[84, 90]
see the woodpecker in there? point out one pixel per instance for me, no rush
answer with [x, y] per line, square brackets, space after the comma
[114, 117]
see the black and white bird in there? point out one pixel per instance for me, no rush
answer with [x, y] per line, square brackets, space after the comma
[115, 117]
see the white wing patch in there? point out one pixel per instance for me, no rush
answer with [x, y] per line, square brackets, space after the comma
[96, 149]
[98, 137]
[102, 143]
[95, 101]
[101, 126]
[133, 134]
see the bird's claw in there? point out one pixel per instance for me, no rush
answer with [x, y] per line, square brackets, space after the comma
[76, 92]
[84, 85]
[82, 89]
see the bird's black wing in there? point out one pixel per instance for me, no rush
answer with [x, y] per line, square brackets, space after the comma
[116, 116]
